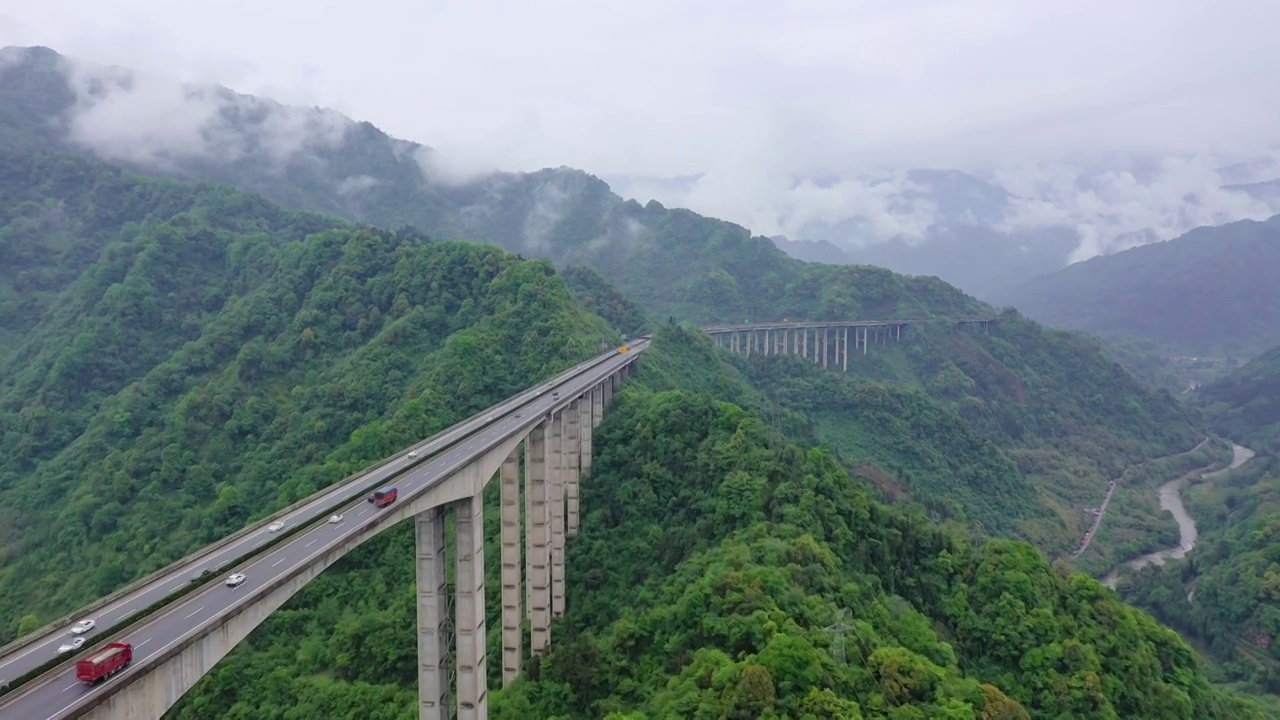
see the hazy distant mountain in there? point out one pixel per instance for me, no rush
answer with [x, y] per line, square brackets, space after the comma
[972, 229]
[1267, 191]
[1210, 291]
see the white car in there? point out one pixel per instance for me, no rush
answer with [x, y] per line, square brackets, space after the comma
[412, 454]
[71, 645]
[335, 519]
[275, 526]
[82, 627]
[235, 580]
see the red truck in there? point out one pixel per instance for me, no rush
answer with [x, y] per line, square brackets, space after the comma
[106, 662]
[384, 497]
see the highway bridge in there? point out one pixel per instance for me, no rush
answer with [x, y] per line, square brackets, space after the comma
[177, 644]
[825, 342]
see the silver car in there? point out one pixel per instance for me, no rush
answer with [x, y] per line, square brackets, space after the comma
[235, 579]
[71, 645]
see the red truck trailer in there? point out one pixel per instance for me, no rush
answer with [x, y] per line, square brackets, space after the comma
[384, 497]
[106, 662]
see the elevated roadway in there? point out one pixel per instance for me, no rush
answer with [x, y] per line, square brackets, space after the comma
[55, 694]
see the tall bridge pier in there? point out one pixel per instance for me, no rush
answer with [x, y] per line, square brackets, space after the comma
[557, 452]
[823, 342]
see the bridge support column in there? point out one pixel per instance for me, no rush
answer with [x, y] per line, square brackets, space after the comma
[555, 475]
[844, 351]
[826, 349]
[587, 424]
[537, 539]
[473, 700]
[511, 581]
[433, 676]
[572, 455]
[804, 343]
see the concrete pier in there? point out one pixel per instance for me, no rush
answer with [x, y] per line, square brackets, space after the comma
[572, 456]
[433, 673]
[473, 691]
[511, 570]
[538, 540]
[555, 510]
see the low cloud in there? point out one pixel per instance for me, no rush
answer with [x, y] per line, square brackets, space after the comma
[1131, 203]
[452, 166]
[161, 123]
[1111, 205]
[356, 184]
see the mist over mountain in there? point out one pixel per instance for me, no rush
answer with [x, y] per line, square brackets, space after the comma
[981, 230]
[989, 229]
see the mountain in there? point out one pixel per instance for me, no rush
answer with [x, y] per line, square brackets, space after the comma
[205, 357]
[1208, 292]
[1066, 416]
[976, 259]
[1245, 404]
[812, 251]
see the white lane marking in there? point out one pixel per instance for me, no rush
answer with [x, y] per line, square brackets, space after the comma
[277, 562]
[193, 612]
[313, 542]
[144, 642]
[69, 686]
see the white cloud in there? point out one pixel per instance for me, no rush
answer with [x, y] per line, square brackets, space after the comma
[155, 120]
[1166, 198]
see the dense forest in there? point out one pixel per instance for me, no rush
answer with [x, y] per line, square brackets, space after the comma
[220, 358]
[1245, 405]
[1208, 292]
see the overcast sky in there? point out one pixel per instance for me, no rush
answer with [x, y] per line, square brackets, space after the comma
[754, 93]
[667, 87]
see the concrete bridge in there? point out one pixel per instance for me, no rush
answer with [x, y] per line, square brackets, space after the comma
[179, 643]
[825, 342]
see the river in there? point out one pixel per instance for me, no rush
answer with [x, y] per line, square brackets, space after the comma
[1171, 500]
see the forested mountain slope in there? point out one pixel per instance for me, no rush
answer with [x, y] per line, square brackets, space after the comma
[820, 602]
[671, 262]
[211, 358]
[1211, 291]
[1245, 404]
[1069, 419]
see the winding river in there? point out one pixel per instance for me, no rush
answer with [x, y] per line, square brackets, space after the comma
[1171, 500]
